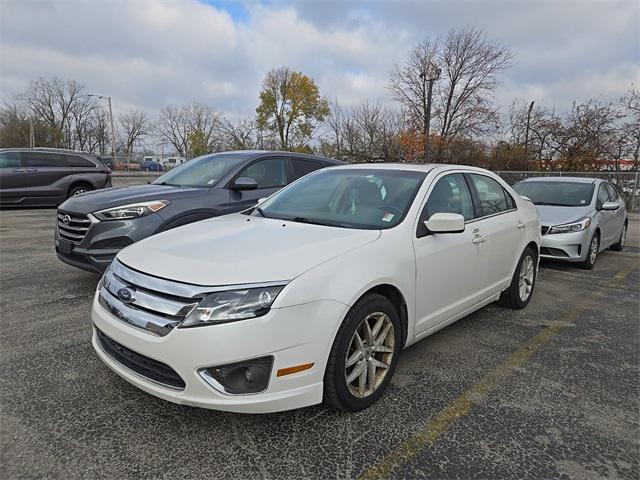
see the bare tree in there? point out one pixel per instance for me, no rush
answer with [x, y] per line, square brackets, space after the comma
[630, 128]
[53, 101]
[239, 135]
[176, 125]
[134, 126]
[470, 66]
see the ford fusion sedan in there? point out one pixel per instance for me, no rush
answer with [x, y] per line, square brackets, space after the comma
[91, 229]
[580, 217]
[312, 294]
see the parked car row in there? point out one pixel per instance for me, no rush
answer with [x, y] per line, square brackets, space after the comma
[237, 294]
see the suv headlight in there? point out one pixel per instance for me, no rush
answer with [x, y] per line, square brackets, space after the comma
[571, 227]
[232, 305]
[133, 210]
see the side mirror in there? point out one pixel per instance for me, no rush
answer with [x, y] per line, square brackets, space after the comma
[244, 183]
[610, 206]
[445, 223]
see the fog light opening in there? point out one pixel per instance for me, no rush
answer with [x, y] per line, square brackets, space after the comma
[240, 378]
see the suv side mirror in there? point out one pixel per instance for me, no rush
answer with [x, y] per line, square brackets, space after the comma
[610, 206]
[244, 183]
[445, 223]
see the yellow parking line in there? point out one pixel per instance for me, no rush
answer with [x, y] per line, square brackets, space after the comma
[461, 406]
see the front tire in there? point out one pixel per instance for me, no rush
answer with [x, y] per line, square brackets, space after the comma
[364, 354]
[519, 293]
[594, 246]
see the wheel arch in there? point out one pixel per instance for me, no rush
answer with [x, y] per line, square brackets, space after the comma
[396, 297]
[80, 183]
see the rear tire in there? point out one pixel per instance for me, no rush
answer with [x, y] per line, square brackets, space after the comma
[78, 190]
[519, 293]
[622, 240]
[358, 348]
[592, 255]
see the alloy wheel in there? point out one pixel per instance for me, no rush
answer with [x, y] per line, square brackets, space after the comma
[79, 191]
[525, 281]
[370, 354]
[593, 250]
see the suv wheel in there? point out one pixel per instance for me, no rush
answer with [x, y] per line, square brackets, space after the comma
[364, 354]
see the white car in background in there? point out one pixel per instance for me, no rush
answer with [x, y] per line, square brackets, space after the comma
[312, 295]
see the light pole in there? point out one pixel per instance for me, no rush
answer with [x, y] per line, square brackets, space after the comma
[430, 73]
[113, 132]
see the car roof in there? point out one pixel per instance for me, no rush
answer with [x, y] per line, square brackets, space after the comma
[412, 167]
[46, 150]
[279, 153]
[562, 179]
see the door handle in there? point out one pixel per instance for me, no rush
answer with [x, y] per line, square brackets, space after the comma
[521, 226]
[32, 169]
[18, 169]
[479, 239]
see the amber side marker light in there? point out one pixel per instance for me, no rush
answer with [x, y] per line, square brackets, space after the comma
[289, 370]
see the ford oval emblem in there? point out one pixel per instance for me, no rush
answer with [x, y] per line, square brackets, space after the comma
[66, 219]
[126, 295]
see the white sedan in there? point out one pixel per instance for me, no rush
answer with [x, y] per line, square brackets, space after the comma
[312, 295]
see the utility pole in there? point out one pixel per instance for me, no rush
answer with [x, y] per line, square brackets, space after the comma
[526, 138]
[32, 139]
[113, 131]
[428, 77]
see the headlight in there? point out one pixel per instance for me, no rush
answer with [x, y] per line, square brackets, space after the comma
[571, 227]
[232, 305]
[134, 210]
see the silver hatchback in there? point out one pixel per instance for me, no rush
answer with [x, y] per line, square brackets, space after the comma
[580, 217]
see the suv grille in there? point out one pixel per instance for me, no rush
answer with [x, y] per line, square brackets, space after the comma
[72, 227]
[147, 367]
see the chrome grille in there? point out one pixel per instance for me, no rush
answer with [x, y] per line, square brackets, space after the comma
[145, 302]
[72, 227]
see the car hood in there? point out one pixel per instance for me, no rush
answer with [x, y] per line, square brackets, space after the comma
[551, 215]
[115, 197]
[236, 249]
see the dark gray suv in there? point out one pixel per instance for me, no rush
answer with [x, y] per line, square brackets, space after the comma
[93, 227]
[47, 177]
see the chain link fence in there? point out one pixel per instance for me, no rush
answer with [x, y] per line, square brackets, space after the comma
[627, 183]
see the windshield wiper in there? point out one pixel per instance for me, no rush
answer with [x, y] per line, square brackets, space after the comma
[317, 222]
[261, 212]
[165, 184]
[551, 204]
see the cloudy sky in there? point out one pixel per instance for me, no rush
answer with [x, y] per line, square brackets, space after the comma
[148, 53]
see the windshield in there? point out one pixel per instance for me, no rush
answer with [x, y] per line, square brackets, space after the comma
[350, 198]
[561, 194]
[203, 171]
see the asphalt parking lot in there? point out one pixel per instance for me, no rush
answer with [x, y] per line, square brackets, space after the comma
[548, 392]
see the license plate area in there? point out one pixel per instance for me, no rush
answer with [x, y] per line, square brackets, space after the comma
[65, 246]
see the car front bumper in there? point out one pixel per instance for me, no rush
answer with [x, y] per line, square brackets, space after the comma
[104, 240]
[293, 335]
[570, 247]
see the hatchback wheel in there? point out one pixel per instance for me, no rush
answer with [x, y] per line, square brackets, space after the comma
[622, 240]
[518, 295]
[364, 354]
[590, 260]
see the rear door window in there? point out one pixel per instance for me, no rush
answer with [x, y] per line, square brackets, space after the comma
[492, 198]
[300, 167]
[9, 159]
[44, 159]
[78, 161]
